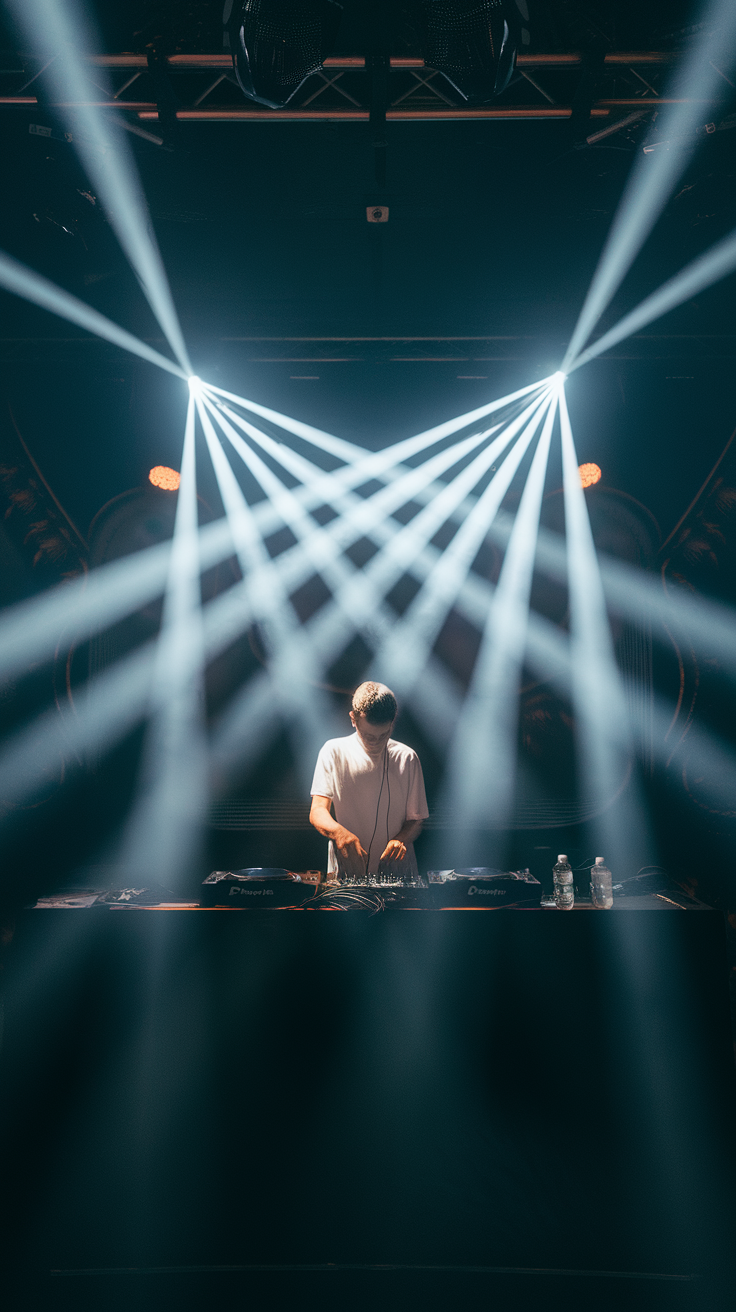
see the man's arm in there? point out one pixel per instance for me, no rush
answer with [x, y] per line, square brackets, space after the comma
[352, 856]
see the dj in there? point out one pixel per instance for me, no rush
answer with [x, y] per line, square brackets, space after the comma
[377, 790]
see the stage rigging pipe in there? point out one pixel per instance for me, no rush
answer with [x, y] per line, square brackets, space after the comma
[356, 63]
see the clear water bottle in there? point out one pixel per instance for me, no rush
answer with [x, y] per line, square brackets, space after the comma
[564, 891]
[601, 891]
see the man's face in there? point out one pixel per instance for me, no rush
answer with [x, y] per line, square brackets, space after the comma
[373, 736]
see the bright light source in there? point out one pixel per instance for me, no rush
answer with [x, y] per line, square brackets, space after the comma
[589, 474]
[195, 385]
[559, 377]
[163, 477]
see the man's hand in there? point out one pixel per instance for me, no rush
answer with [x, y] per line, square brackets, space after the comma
[395, 851]
[352, 858]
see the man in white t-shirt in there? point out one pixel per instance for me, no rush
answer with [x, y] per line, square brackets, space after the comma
[376, 788]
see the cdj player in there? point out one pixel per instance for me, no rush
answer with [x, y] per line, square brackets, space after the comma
[479, 886]
[255, 889]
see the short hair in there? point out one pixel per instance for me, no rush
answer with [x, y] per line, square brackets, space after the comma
[376, 702]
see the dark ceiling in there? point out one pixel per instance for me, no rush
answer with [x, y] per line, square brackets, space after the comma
[494, 232]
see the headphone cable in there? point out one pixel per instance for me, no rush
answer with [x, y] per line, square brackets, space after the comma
[384, 775]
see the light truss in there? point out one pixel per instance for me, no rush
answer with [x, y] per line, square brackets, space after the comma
[417, 93]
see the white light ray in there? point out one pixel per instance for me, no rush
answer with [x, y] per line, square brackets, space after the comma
[305, 709]
[359, 597]
[422, 568]
[707, 625]
[106, 155]
[86, 606]
[81, 607]
[653, 177]
[108, 706]
[105, 709]
[598, 697]
[361, 593]
[376, 461]
[357, 604]
[712, 759]
[16, 278]
[707, 269]
[482, 766]
[248, 721]
[163, 829]
[358, 515]
[216, 542]
[405, 653]
[112, 703]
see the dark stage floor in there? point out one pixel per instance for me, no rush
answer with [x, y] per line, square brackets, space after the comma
[320, 1111]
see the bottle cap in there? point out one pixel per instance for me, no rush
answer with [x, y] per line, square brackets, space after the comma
[599, 860]
[562, 857]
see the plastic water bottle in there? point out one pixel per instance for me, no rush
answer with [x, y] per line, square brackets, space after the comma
[601, 892]
[564, 891]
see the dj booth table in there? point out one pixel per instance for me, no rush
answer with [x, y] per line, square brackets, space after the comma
[401, 1110]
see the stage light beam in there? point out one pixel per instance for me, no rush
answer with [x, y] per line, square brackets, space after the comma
[603, 740]
[404, 654]
[707, 269]
[294, 674]
[105, 153]
[358, 516]
[653, 177]
[114, 701]
[358, 597]
[481, 771]
[224, 623]
[22, 281]
[349, 452]
[86, 606]
[163, 830]
[357, 602]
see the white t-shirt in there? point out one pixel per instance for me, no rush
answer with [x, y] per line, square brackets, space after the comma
[373, 798]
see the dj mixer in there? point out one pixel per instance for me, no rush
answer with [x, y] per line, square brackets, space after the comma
[264, 889]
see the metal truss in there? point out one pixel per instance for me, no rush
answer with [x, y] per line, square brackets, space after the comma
[343, 88]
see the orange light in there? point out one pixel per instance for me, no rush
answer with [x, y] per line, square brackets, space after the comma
[589, 474]
[168, 479]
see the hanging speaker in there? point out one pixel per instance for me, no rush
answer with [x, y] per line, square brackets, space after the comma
[277, 44]
[473, 43]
